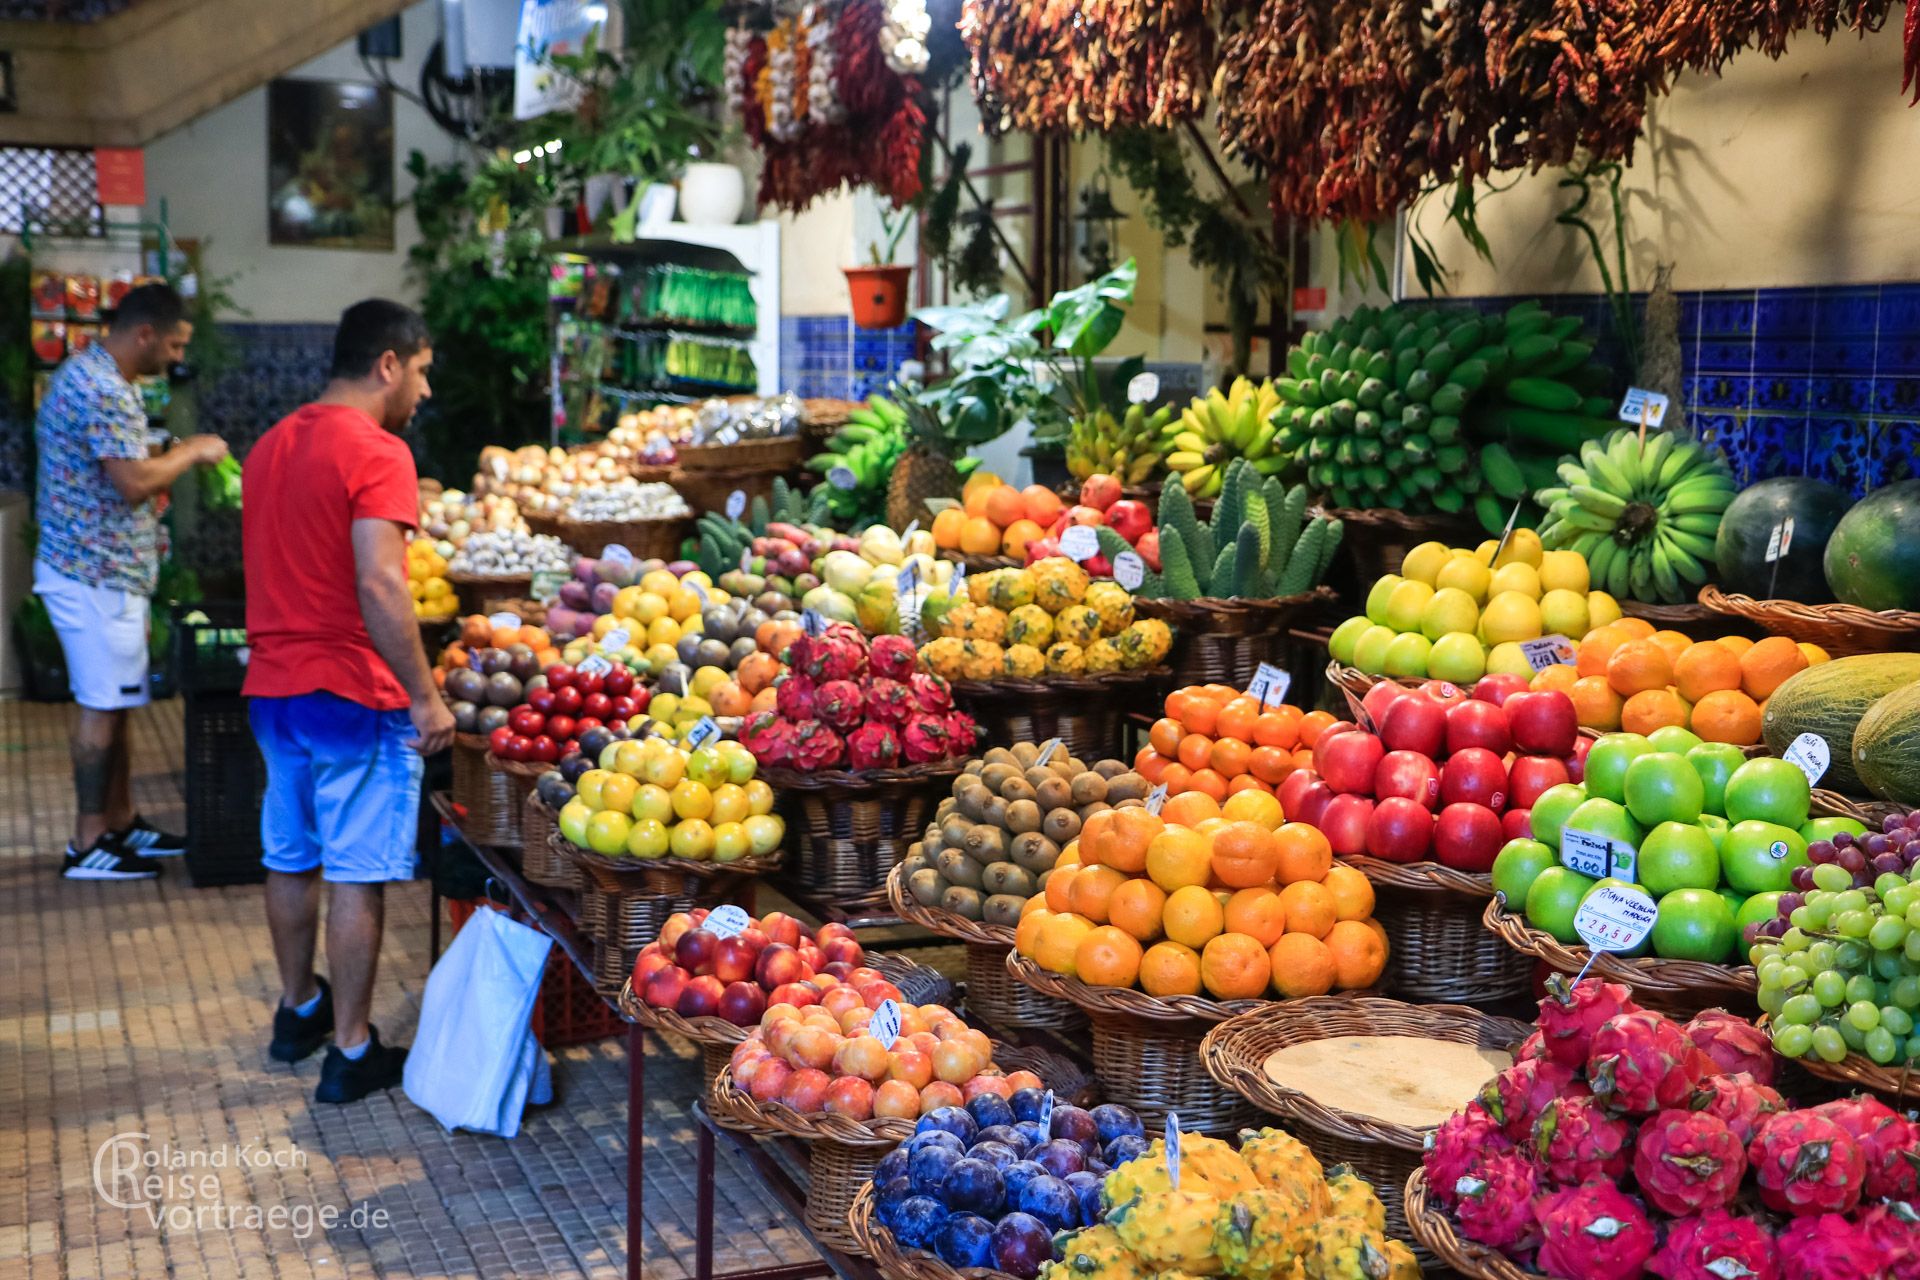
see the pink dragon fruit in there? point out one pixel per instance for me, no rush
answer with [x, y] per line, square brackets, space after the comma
[1740, 1102]
[1734, 1044]
[1805, 1163]
[1828, 1247]
[838, 653]
[1516, 1097]
[1887, 1139]
[1570, 1016]
[815, 746]
[1895, 1230]
[1688, 1161]
[963, 733]
[1534, 1046]
[799, 651]
[1462, 1140]
[892, 656]
[874, 746]
[926, 738]
[794, 697]
[1493, 1202]
[889, 700]
[1642, 1062]
[838, 704]
[1717, 1245]
[1575, 1142]
[931, 693]
[1593, 1232]
[769, 738]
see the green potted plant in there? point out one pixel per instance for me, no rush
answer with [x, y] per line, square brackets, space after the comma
[879, 288]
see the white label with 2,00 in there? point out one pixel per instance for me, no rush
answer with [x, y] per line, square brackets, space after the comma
[1597, 856]
[1615, 919]
[1079, 542]
[615, 552]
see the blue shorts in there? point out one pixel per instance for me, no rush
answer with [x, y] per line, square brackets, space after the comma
[343, 789]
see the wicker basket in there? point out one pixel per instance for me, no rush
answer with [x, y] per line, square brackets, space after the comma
[992, 994]
[771, 454]
[849, 829]
[1840, 629]
[1087, 713]
[1870, 813]
[1376, 539]
[668, 877]
[709, 490]
[1384, 1153]
[625, 902]
[977, 562]
[540, 862]
[646, 539]
[1433, 1231]
[484, 793]
[478, 594]
[1857, 1072]
[1672, 617]
[1356, 683]
[1225, 641]
[1441, 951]
[1678, 987]
[895, 1260]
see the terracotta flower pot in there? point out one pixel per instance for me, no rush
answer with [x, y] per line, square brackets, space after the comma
[879, 295]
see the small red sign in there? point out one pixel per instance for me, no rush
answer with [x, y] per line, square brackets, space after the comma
[120, 175]
[1310, 298]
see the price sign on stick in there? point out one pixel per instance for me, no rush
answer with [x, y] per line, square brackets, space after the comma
[1615, 919]
[1142, 387]
[937, 505]
[1811, 754]
[615, 640]
[1548, 651]
[1269, 685]
[736, 504]
[907, 581]
[746, 559]
[726, 921]
[1047, 749]
[1157, 798]
[1046, 1113]
[594, 665]
[1643, 408]
[1507, 533]
[885, 1024]
[1129, 570]
[504, 621]
[913, 527]
[704, 731]
[1079, 542]
[1172, 1139]
[811, 622]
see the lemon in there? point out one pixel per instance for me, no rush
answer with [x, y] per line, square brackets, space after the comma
[1510, 615]
[1370, 650]
[1563, 612]
[663, 706]
[662, 630]
[1345, 636]
[1523, 547]
[603, 624]
[1405, 605]
[1465, 573]
[648, 839]
[1424, 561]
[1564, 571]
[704, 679]
[1457, 657]
[1407, 656]
[1601, 609]
[1515, 576]
[683, 604]
[1376, 608]
[1508, 659]
[1449, 610]
[1484, 552]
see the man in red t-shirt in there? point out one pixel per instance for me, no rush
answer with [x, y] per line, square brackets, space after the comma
[344, 705]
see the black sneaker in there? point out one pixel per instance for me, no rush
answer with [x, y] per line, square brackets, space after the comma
[108, 859]
[295, 1036]
[344, 1079]
[150, 841]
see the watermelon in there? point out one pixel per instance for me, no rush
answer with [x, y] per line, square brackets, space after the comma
[1746, 530]
[1873, 558]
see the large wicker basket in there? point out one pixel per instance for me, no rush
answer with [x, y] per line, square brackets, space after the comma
[771, 454]
[1441, 951]
[849, 829]
[478, 594]
[484, 794]
[992, 995]
[708, 490]
[1225, 641]
[1870, 813]
[540, 862]
[1840, 629]
[1433, 1231]
[1675, 617]
[1376, 539]
[1678, 987]
[1087, 713]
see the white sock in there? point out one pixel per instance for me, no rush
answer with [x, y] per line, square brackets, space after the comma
[306, 1010]
[357, 1052]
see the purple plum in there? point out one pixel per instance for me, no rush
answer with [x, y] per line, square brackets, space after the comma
[1022, 1245]
[990, 1109]
[889, 1196]
[1086, 1188]
[957, 1121]
[1031, 1134]
[1124, 1148]
[1026, 1103]
[1003, 1133]
[1017, 1175]
[1060, 1157]
[1097, 1167]
[1113, 1121]
[965, 1241]
[918, 1220]
[892, 1165]
[934, 1138]
[974, 1186]
[928, 1169]
[997, 1154]
[574, 594]
[1074, 1125]
[1052, 1201]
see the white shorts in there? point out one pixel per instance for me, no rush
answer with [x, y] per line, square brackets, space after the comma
[104, 633]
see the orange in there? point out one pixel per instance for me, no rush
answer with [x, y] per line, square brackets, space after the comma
[1178, 857]
[1136, 906]
[1313, 724]
[1639, 665]
[1193, 916]
[1704, 667]
[1235, 967]
[1310, 908]
[1302, 966]
[1739, 644]
[1091, 890]
[1165, 736]
[947, 526]
[1253, 806]
[1247, 782]
[1209, 782]
[1059, 939]
[1652, 709]
[1176, 704]
[1237, 719]
[1674, 642]
[1257, 913]
[1244, 855]
[1279, 727]
[1060, 887]
[1151, 765]
[1595, 704]
[1190, 809]
[1590, 657]
[1108, 957]
[980, 536]
[1002, 505]
[1352, 893]
[1359, 955]
[1560, 676]
[1229, 757]
[1635, 628]
[1170, 969]
[1304, 854]
[1220, 693]
[1195, 750]
[1040, 504]
[1175, 778]
[973, 494]
[1118, 838]
[1014, 541]
[1270, 764]
[1200, 715]
[1034, 905]
[1727, 715]
[1766, 666]
[1026, 936]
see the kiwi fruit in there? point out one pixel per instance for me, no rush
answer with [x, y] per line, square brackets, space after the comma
[1024, 753]
[998, 755]
[1040, 884]
[1053, 793]
[1023, 816]
[953, 832]
[926, 886]
[1126, 786]
[971, 805]
[984, 844]
[995, 776]
[946, 806]
[963, 901]
[1060, 825]
[916, 862]
[1017, 789]
[931, 840]
[1088, 810]
[1003, 908]
[1110, 768]
[973, 768]
[957, 868]
[993, 813]
[1088, 787]
[1008, 877]
[1033, 851]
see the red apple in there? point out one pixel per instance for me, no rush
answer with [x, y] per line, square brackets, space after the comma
[1498, 687]
[1516, 824]
[1294, 788]
[559, 675]
[1474, 776]
[650, 961]
[1473, 723]
[544, 749]
[598, 705]
[695, 951]
[1530, 775]
[1444, 692]
[850, 1096]
[1414, 723]
[526, 720]
[1467, 837]
[1543, 722]
[1378, 699]
[1400, 830]
[701, 998]
[568, 699]
[562, 727]
[797, 994]
[733, 959]
[1100, 491]
[1348, 761]
[540, 699]
[1576, 761]
[779, 964]
[664, 987]
[1410, 775]
[497, 740]
[770, 1079]
[1344, 824]
[831, 929]
[806, 1089]
[1129, 519]
[1311, 803]
[781, 927]
[618, 682]
[742, 1003]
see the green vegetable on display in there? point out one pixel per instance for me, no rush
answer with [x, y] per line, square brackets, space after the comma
[1258, 545]
[220, 485]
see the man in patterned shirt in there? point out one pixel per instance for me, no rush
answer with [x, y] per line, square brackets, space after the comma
[99, 554]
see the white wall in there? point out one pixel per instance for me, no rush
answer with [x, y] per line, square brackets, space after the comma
[213, 175]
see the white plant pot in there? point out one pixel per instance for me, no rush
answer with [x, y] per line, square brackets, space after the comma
[556, 222]
[712, 194]
[598, 196]
[656, 204]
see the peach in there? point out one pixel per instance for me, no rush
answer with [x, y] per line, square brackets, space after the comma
[806, 1089]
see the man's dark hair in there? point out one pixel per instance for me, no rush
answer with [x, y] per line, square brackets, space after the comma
[154, 304]
[370, 329]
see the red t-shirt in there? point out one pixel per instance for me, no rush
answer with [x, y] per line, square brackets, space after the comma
[319, 469]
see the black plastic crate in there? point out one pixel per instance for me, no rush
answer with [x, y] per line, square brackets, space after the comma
[210, 646]
[226, 782]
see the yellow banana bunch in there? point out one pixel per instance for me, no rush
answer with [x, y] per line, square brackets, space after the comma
[1127, 447]
[1216, 428]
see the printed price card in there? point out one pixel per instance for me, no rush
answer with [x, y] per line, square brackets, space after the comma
[1142, 387]
[704, 731]
[1079, 542]
[842, 478]
[1642, 405]
[594, 665]
[1548, 651]
[1615, 919]
[1129, 570]
[503, 621]
[736, 504]
[1810, 753]
[1172, 1139]
[1598, 856]
[616, 639]
[885, 1026]
[1269, 685]
[726, 921]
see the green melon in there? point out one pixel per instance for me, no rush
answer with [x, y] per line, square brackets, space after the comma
[1814, 506]
[1873, 558]
[1886, 746]
[1831, 700]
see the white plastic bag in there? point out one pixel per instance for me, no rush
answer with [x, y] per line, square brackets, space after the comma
[475, 1063]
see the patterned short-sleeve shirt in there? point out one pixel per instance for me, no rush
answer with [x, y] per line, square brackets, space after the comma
[87, 530]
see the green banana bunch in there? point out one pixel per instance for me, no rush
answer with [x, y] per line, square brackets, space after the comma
[1215, 428]
[1127, 447]
[867, 449]
[1643, 512]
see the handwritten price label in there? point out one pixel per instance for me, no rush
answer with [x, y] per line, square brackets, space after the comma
[1129, 570]
[616, 640]
[1079, 542]
[842, 478]
[1642, 406]
[1548, 651]
[1615, 919]
[504, 621]
[907, 581]
[615, 552]
[1810, 754]
[1157, 798]
[885, 1025]
[1269, 685]
[704, 731]
[1046, 1113]
[736, 504]
[726, 921]
[1598, 856]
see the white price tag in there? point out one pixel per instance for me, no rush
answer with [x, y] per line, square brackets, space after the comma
[746, 559]
[811, 622]
[1269, 685]
[726, 921]
[1773, 542]
[617, 553]
[503, 621]
[957, 585]
[842, 478]
[1046, 1113]
[1047, 749]
[699, 593]
[885, 1024]
[1643, 406]
[704, 731]
[244, 654]
[913, 527]
[1079, 542]
[1142, 387]
[736, 504]
[1598, 856]
[594, 665]
[1129, 570]
[1548, 651]
[1615, 919]
[1172, 1140]
[1157, 798]
[616, 640]
[905, 583]
[1810, 754]
[937, 505]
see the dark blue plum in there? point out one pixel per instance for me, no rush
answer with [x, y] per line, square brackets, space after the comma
[1022, 1244]
[1059, 1157]
[1113, 1121]
[928, 1168]
[1086, 1189]
[1074, 1125]
[1052, 1201]
[933, 1138]
[1030, 1133]
[1097, 1167]
[965, 1241]
[1007, 1133]
[974, 1186]
[997, 1154]
[1124, 1148]
[990, 1109]
[954, 1120]
[1027, 1103]
[917, 1222]
[892, 1165]
[889, 1196]
[1016, 1176]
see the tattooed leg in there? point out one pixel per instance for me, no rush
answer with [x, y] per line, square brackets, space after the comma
[93, 767]
[120, 778]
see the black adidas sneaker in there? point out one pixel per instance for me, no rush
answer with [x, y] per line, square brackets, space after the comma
[150, 841]
[108, 859]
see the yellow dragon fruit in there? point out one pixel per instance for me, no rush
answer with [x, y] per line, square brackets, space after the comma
[1077, 624]
[1354, 1197]
[1094, 1253]
[1205, 1164]
[1344, 1248]
[1057, 583]
[1283, 1163]
[980, 659]
[1401, 1264]
[1011, 588]
[1065, 659]
[1144, 643]
[1168, 1229]
[980, 585]
[1113, 603]
[1259, 1235]
[1101, 657]
[984, 623]
[1030, 624]
[1023, 660]
[944, 657]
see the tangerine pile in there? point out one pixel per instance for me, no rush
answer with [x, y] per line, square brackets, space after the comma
[996, 519]
[1628, 676]
[1227, 899]
[1217, 740]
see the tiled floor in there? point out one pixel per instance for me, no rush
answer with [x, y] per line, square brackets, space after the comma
[141, 1009]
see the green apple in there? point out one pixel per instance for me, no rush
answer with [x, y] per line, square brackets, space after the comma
[1457, 657]
[1407, 655]
[1671, 737]
[1604, 817]
[1450, 611]
[1715, 763]
[1552, 900]
[1828, 828]
[1607, 762]
[1550, 810]
[1662, 787]
[1678, 855]
[1345, 636]
[1768, 790]
[1759, 857]
[1716, 828]
[1407, 603]
[574, 816]
[1378, 596]
[1695, 924]
[1519, 862]
[1370, 650]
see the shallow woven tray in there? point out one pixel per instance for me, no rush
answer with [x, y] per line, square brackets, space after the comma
[1125, 1002]
[1433, 1230]
[1841, 629]
[1858, 1071]
[1421, 877]
[646, 539]
[1354, 681]
[948, 924]
[930, 986]
[895, 1260]
[1664, 984]
[658, 875]
[1669, 616]
[1831, 804]
[776, 453]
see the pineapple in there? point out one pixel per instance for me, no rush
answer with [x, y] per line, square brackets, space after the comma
[926, 469]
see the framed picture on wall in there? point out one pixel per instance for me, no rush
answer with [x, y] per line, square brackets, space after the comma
[330, 164]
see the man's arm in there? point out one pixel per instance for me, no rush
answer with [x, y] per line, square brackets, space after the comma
[386, 605]
[138, 479]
